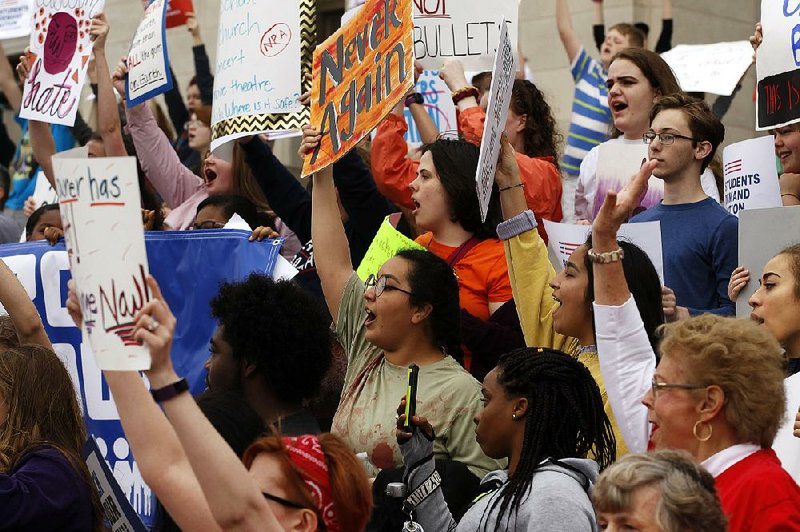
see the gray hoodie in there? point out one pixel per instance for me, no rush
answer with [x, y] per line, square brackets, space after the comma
[558, 499]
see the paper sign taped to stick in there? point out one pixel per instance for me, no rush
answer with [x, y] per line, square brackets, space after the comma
[360, 73]
[100, 211]
[763, 233]
[505, 67]
[751, 180]
[60, 47]
[566, 238]
[617, 163]
[148, 61]
[438, 104]
[387, 243]
[714, 68]
[467, 30]
[176, 12]
[777, 64]
[15, 18]
[261, 47]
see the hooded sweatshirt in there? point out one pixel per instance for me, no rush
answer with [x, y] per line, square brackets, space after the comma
[559, 496]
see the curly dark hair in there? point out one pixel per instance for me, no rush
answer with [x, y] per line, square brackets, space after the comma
[541, 135]
[280, 329]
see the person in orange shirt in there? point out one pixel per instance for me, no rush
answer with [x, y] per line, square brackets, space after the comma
[530, 128]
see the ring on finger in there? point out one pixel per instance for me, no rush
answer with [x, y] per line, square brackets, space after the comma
[153, 324]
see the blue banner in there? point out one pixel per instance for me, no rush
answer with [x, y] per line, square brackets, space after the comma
[189, 267]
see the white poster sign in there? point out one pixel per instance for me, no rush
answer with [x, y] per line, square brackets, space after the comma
[148, 61]
[617, 163]
[751, 179]
[467, 30]
[43, 194]
[100, 210]
[777, 64]
[60, 47]
[566, 238]
[438, 104]
[505, 67]
[15, 18]
[258, 66]
[714, 68]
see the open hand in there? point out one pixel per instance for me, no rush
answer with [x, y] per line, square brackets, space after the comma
[618, 206]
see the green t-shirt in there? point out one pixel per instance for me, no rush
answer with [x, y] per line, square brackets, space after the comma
[447, 395]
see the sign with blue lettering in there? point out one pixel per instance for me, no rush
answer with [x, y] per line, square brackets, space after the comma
[148, 61]
[189, 267]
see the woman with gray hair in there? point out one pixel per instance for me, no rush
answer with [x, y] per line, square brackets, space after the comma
[663, 491]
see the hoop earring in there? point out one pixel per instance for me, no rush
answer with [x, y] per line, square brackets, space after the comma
[710, 432]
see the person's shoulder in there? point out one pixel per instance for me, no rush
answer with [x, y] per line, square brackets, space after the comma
[46, 459]
[449, 371]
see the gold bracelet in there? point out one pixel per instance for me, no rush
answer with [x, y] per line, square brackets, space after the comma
[795, 196]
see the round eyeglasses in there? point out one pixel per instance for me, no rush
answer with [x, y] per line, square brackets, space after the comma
[379, 284]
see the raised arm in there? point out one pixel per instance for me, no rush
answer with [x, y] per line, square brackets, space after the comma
[665, 39]
[331, 250]
[8, 82]
[598, 24]
[389, 162]
[21, 310]
[569, 39]
[41, 137]
[107, 111]
[202, 68]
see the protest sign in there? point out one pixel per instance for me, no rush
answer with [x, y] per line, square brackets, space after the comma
[148, 61]
[566, 238]
[763, 233]
[15, 18]
[176, 12]
[360, 73]
[786, 445]
[505, 67]
[43, 194]
[101, 214]
[387, 243]
[751, 180]
[617, 163]
[467, 30]
[60, 47]
[438, 104]
[261, 47]
[189, 267]
[715, 68]
[777, 63]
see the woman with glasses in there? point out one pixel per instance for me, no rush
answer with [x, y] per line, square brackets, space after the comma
[636, 78]
[716, 393]
[406, 314]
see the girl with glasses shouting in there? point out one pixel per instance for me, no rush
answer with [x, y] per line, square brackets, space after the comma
[407, 314]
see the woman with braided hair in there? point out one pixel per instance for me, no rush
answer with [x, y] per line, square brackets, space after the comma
[543, 411]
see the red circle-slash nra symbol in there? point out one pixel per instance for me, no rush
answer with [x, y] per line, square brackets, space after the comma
[276, 39]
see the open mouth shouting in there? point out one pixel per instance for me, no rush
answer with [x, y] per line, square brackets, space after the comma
[210, 175]
[370, 317]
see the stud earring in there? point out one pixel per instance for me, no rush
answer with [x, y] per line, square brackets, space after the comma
[514, 416]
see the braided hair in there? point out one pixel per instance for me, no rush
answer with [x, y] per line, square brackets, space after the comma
[540, 134]
[565, 416]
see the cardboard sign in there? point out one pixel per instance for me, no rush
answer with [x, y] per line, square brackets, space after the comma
[148, 61]
[777, 64]
[176, 12]
[467, 30]
[60, 46]
[714, 68]
[101, 214]
[438, 104]
[505, 68]
[617, 163]
[15, 18]
[360, 73]
[763, 233]
[387, 243]
[566, 238]
[261, 48]
[751, 180]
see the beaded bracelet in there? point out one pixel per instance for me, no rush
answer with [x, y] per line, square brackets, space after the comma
[465, 92]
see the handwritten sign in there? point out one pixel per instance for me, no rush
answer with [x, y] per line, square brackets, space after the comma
[148, 61]
[714, 68]
[387, 243]
[617, 162]
[176, 12]
[60, 47]
[505, 67]
[438, 104]
[261, 48]
[360, 73]
[566, 238]
[751, 180]
[15, 18]
[778, 65]
[100, 210]
[468, 30]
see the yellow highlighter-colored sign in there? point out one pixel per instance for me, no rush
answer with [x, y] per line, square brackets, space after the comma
[387, 243]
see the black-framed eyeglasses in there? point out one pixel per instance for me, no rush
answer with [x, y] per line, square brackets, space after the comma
[284, 502]
[667, 385]
[208, 224]
[379, 284]
[665, 138]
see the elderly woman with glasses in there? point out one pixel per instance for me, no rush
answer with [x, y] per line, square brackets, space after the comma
[406, 314]
[716, 393]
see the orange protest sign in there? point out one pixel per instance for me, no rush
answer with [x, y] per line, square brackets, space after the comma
[360, 73]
